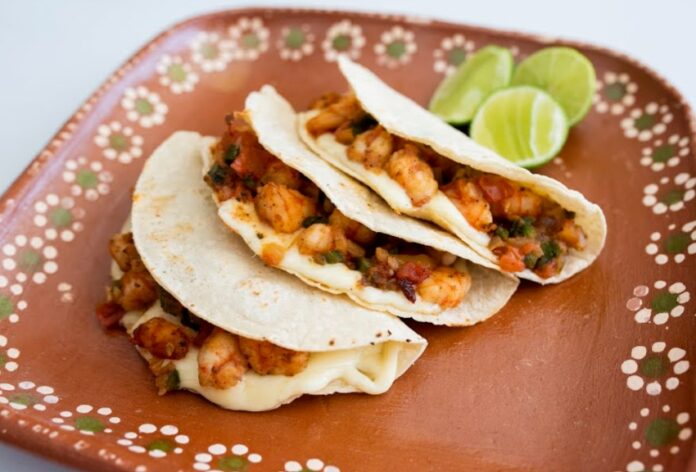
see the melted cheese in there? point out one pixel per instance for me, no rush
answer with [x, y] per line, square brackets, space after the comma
[335, 278]
[369, 369]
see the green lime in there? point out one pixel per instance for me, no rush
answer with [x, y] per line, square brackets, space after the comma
[458, 96]
[523, 124]
[565, 74]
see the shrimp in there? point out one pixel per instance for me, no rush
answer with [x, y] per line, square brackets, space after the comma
[572, 235]
[162, 338]
[372, 148]
[413, 174]
[280, 173]
[445, 286]
[221, 363]
[283, 208]
[347, 108]
[358, 232]
[522, 202]
[123, 251]
[266, 358]
[469, 200]
[138, 290]
[317, 239]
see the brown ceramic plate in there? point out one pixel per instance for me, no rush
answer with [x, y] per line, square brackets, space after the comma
[593, 374]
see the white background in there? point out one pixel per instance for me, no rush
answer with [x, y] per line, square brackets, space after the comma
[56, 53]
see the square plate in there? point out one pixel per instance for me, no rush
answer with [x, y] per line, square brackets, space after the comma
[592, 374]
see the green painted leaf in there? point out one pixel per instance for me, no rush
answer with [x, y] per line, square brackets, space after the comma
[342, 42]
[160, 445]
[89, 423]
[60, 217]
[676, 243]
[645, 121]
[663, 153]
[295, 38]
[86, 178]
[615, 91]
[6, 307]
[664, 302]
[654, 366]
[232, 463]
[661, 432]
[396, 49]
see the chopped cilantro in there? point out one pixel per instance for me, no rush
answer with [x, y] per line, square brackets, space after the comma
[310, 220]
[523, 227]
[173, 381]
[231, 153]
[363, 264]
[551, 251]
[530, 260]
[218, 173]
[333, 257]
[502, 232]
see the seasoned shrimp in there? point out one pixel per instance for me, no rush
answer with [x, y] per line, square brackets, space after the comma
[469, 200]
[280, 173]
[334, 115]
[372, 148]
[283, 208]
[358, 232]
[523, 202]
[317, 239]
[413, 174]
[572, 235]
[266, 358]
[221, 364]
[162, 338]
[138, 290]
[445, 286]
[123, 251]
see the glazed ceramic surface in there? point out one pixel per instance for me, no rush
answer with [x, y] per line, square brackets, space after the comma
[593, 374]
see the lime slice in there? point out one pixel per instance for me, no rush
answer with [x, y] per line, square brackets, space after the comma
[523, 124]
[458, 96]
[565, 74]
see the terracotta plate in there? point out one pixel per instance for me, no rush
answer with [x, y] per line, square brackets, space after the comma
[593, 374]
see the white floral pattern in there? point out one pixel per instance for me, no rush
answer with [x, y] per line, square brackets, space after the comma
[176, 74]
[26, 395]
[143, 106]
[396, 47]
[665, 302]
[295, 43]
[615, 93]
[452, 52]
[119, 142]
[673, 198]
[656, 429]
[342, 38]
[650, 369]
[665, 153]
[156, 442]
[220, 458]
[31, 257]
[9, 309]
[249, 39]
[678, 244]
[644, 123]
[8, 356]
[210, 52]
[59, 217]
[87, 178]
[87, 420]
[314, 465]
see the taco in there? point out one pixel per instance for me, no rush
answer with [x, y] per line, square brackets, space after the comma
[301, 215]
[527, 224]
[209, 318]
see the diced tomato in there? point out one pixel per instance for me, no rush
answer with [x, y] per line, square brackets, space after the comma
[413, 272]
[531, 248]
[548, 270]
[510, 259]
[109, 314]
[495, 189]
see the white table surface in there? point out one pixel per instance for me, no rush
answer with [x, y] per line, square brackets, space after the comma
[55, 53]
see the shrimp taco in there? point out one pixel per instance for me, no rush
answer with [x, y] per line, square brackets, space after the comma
[301, 215]
[209, 318]
[527, 224]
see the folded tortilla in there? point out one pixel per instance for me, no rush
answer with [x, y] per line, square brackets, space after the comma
[402, 117]
[274, 122]
[192, 256]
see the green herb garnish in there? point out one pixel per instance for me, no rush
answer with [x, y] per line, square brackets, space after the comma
[173, 381]
[363, 264]
[551, 251]
[523, 227]
[218, 173]
[502, 232]
[231, 153]
[333, 257]
[530, 260]
[310, 220]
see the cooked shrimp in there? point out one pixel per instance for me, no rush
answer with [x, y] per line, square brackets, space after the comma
[283, 208]
[334, 115]
[345, 246]
[572, 235]
[523, 202]
[325, 100]
[266, 358]
[221, 364]
[123, 251]
[413, 174]
[372, 148]
[162, 338]
[138, 290]
[317, 239]
[469, 200]
[358, 232]
[280, 173]
[445, 286]
[344, 134]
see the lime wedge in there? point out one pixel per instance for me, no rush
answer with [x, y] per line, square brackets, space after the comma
[460, 94]
[565, 74]
[523, 124]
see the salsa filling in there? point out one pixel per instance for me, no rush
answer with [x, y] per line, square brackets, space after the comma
[223, 358]
[527, 230]
[291, 203]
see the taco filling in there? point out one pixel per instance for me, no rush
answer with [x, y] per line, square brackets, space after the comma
[297, 222]
[526, 230]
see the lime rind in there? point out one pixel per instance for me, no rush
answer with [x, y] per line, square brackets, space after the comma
[459, 96]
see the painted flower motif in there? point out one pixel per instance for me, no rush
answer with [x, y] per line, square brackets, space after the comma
[295, 43]
[249, 39]
[9, 310]
[672, 198]
[677, 244]
[118, 142]
[644, 123]
[651, 369]
[27, 395]
[210, 52]
[664, 303]
[66, 294]
[87, 420]
[343, 38]
[638, 466]
[32, 257]
[615, 93]
[153, 441]
[144, 107]
[176, 74]
[660, 430]
[87, 178]
[312, 465]
[220, 458]
[665, 153]
[396, 47]
[8, 356]
[59, 217]
[452, 52]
